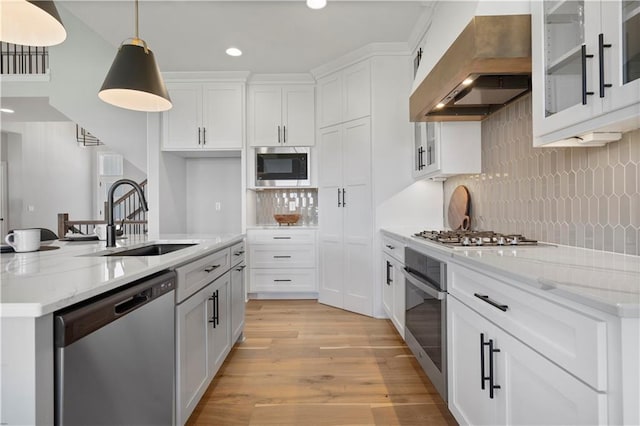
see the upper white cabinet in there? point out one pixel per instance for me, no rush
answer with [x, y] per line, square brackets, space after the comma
[205, 116]
[586, 69]
[448, 148]
[345, 95]
[281, 115]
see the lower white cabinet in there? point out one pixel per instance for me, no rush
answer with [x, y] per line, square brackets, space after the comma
[496, 379]
[219, 323]
[393, 283]
[282, 261]
[208, 321]
[237, 302]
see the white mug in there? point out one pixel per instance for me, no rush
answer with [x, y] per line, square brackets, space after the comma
[23, 240]
[101, 231]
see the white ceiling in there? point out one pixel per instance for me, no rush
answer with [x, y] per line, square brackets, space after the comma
[275, 36]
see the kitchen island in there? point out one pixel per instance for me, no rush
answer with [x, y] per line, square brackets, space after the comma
[35, 285]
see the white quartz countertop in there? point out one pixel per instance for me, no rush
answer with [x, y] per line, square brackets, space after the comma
[38, 283]
[606, 281]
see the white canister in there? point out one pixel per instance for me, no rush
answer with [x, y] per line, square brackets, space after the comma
[24, 240]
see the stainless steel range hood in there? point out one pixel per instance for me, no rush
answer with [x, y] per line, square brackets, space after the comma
[486, 67]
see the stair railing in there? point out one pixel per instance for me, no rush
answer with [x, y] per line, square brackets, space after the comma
[16, 59]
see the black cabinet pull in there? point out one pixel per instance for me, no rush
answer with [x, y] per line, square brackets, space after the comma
[339, 203]
[211, 268]
[390, 247]
[492, 385]
[239, 269]
[214, 319]
[238, 253]
[284, 134]
[282, 257]
[199, 140]
[485, 298]
[389, 266]
[483, 378]
[281, 281]
[204, 136]
[344, 197]
[281, 238]
[601, 47]
[584, 74]
[278, 134]
[420, 158]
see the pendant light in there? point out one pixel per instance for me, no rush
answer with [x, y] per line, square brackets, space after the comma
[134, 81]
[31, 23]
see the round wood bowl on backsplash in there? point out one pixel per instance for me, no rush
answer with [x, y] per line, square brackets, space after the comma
[287, 219]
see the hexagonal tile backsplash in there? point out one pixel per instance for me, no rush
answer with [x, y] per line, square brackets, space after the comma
[584, 197]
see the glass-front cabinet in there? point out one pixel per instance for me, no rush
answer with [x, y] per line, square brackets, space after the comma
[586, 64]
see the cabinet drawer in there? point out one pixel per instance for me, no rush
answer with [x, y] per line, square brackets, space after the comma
[237, 253]
[284, 236]
[283, 256]
[283, 280]
[574, 341]
[195, 275]
[393, 248]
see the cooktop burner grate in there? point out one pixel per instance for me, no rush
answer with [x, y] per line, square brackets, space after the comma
[475, 238]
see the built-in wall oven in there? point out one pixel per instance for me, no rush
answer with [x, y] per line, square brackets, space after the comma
[282, 167]
[426, 314]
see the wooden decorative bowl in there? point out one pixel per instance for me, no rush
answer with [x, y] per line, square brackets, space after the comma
[287, 219]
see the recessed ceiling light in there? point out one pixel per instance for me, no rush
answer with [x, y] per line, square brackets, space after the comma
[316, 4]
[440, 105]
[467, 82]
[7, 110]
[234, 51]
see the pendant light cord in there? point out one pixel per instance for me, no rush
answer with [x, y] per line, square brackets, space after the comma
[136, 5]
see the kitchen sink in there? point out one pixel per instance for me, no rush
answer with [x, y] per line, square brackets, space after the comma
[156, 249]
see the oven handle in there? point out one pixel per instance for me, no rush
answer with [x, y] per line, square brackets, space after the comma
[433, 292]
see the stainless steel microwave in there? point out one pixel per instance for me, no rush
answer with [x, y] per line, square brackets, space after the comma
[283, 167]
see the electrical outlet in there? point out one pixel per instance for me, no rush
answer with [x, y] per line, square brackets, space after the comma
[30, 208]
[218, 206]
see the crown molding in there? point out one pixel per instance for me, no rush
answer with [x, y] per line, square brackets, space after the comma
[368, 51]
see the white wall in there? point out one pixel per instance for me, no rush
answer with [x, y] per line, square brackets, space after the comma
[211, 181]
[78, 68]
[48, 173]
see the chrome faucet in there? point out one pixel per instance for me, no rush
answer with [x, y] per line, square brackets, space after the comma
[111, 227]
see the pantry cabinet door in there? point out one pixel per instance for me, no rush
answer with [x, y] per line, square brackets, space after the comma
[357, 206]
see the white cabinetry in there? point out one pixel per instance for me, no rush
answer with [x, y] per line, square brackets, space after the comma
[209, 315]
[282, 261]
[515, 358]
[393, 286]
[496, 379]
[586, 69]
[238, 290]
[281, 115]
[344, 95]
[205, 116]
[346, 220]
[448, 148]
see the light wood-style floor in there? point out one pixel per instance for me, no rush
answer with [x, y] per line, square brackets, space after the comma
[304, 363]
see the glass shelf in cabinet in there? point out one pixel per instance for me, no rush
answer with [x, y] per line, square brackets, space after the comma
[567, 64]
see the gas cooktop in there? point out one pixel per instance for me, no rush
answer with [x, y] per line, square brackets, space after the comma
[475, 239]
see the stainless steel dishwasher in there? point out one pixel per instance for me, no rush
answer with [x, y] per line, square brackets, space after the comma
[114, 357]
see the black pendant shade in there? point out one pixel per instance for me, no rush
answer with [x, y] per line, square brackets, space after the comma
[134, 81]
[31, 23]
